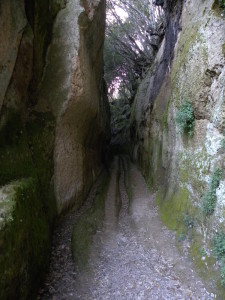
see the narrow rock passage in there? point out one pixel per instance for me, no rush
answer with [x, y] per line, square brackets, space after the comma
[132, 257]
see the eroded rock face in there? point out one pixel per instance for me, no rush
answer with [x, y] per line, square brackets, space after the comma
[73, 89]
[82, 120]
[54, 124]
[180, 166]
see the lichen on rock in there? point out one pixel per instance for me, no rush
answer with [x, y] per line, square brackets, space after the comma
[170, 160]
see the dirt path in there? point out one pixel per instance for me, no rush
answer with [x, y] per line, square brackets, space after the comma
[134, 256]
[60, 281]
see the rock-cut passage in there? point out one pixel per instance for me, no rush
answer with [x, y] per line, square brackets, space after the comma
[132, 256]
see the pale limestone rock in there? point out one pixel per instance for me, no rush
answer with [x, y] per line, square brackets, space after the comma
[196, 74]
[73, 89]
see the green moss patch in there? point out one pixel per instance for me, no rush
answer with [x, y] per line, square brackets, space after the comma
[179, 214]
[27, 206]
[176, 212]
[203, 263]
[194, 166]
[87, 225]
[209, 198]
[26, 150]
[219, 253]
[24, 242]
[7, 202]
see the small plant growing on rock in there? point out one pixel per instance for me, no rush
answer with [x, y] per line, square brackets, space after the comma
[181, 237]
[185, 118]
[219, 245]
[219, 253]
[203, 252]
[188, 221]
[222, 274]
[209, 198]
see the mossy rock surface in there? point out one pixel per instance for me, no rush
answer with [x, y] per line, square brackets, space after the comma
[24, 242]
[179, 214]
[27, 203]
[26, 150]
[173, 211]
[7, 202]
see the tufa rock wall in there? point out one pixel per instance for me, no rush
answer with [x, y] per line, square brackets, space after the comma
[181, 167]
[54, 123]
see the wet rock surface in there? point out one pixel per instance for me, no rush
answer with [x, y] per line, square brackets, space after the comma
[133, 257]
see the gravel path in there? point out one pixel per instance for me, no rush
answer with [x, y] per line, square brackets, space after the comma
[133, 257]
